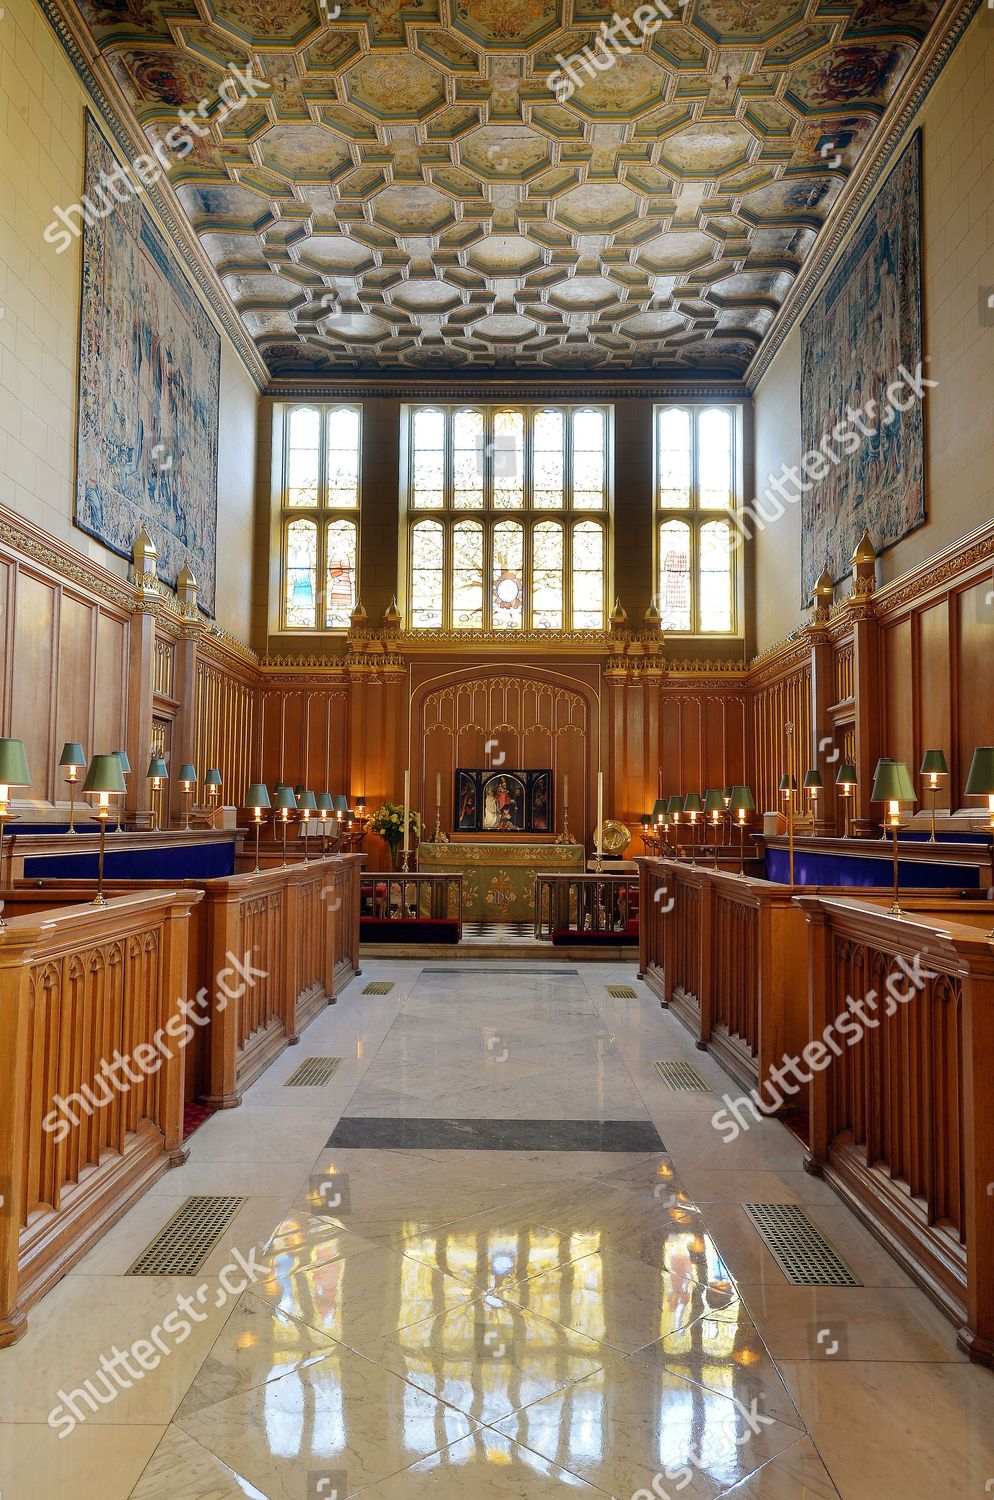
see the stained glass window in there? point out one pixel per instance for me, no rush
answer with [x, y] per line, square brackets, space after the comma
[321, 477]
[696, 499]
[522, 562]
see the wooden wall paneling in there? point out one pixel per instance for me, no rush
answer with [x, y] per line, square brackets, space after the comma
[224, 734]
[974, 704]
[111, 684]
[900, 692]
[35, 644]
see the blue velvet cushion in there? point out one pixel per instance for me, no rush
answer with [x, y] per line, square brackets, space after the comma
[168, 862]
[814, 868]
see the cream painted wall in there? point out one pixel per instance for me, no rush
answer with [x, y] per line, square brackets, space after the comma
[41, 164]
[957, 124]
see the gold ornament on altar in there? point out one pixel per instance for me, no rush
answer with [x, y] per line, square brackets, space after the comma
[615, 836]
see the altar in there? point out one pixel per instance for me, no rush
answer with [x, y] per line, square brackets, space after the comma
[499, 878]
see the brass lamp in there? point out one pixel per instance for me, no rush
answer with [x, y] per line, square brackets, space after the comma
[693, 807]
[307, 803]
[258, 803]
[285, 804]
[187, 781]
[659, 810]
[933, 768]
[714, 811]
[340, 803]
[105, 779]
[213, 783]
[157, 774]
[813, 784]
[74, 761]
[326, 812]
[788, 786]
[846, 782]
[13, 772]
[741, 804]
[674, 808]
[980, 782]
[892, 784]
[122, 756]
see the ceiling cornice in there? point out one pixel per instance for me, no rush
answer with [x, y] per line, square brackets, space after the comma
[109, 104]
[871, 167]
[500, 385]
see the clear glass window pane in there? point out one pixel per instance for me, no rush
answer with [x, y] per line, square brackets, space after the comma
[427, 554]
[589, 460]
[343, 458]
[340, 573]
[429, 459]
[674, 458]
[468, 460]
[547, 576]
[714, 459]
[674, 575]
[507, 592]
[588, 576]
[716, 576]
[507, 459]
[549, 460]
[300, 575]
[303, 456]
[467, 576]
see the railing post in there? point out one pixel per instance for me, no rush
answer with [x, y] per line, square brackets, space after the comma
[977, 1338]
[820, 1002]
[224, 912]
[175, 987]
[706, 966]
[291, 948]
[15, 951]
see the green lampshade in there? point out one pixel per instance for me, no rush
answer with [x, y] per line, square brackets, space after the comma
[72, 755]
[325, 804]
[646, 820]
[692, 803]
[188, 773]
[360, 803]
[340, 802]
[714, 801]
[812, 781]
[157, 767]
[257, 795]
[846, 775]
[213, 777]
[788, 783]
[307, 802]
[286, 798]
[122, 756]
[742, 799]
[14, 764]
[675, 806]
[892, 782]
[979, 783]
[105, 775]
[933, 764]
[659, 808]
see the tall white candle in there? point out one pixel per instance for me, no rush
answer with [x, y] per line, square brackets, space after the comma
[438, 788]
[407, 811]
[600, 810]
[565, 790]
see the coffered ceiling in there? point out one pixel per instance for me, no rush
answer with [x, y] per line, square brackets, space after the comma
[408, 193]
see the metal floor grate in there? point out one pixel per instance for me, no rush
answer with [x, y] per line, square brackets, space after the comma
[798, 1246]
[182, 1246]
[313, 1073]
[378, 987]
[621, 992]
[682, 1077]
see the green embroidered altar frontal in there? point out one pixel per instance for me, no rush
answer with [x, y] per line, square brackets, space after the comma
[499, 879]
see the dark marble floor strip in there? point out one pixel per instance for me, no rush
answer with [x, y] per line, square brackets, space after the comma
[359, 1132]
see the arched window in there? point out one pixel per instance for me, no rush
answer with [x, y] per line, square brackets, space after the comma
[523, 562]
[320, 528]
[697, 497]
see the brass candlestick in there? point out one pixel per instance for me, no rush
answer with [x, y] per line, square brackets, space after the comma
[564, 837]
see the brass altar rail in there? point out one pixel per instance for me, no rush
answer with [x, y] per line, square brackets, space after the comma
[585, 902]
[79, 985]
[901, 1123]
[412, 897]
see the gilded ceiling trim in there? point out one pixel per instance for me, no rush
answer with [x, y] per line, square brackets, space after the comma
[118, 119]
[871, 167]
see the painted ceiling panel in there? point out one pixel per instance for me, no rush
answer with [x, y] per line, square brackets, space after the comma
[413, 186]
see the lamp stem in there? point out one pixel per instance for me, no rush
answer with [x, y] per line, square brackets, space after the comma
[3, 822]
[932, 839]
[258, 838]
[896, 908]
[790, 833]
[742, 834]
[72, 806]
[100, 899]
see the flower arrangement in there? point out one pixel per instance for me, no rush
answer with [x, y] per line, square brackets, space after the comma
[388, 822]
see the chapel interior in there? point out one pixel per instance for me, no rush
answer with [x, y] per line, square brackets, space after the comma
[496, 749]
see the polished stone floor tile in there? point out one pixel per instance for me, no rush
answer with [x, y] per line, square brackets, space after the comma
[180, 1469]
[92, 1463]
[796, 1474]
[484, 1466]
[851, 1323]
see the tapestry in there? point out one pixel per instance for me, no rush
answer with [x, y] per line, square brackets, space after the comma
[865, 325]
[149, 378]
[503, 801]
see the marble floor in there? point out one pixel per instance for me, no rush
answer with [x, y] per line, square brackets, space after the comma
[494, 1259]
